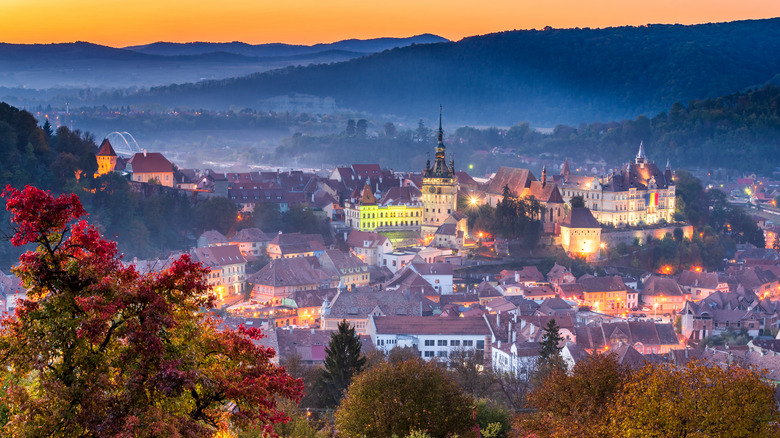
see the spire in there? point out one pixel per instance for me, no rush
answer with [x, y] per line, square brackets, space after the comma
[668, 166]
[544, 174]
[441, 131]
[640, 156]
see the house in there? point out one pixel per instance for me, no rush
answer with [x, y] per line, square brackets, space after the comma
[358, 305]
[438, 275]
[368, 246]
[149, 167]
[283, 276]
[647, 337]
[397, 260]
[722, 311]
[434, 337]
[306, 345]
[572, 354]
[452, 233]
[528, 276]
[560, 275]
[212, 238]
[346, 268]
[309, 304]
[604, 293]
[700, 285]
[227, 268]
[409, 280]
[663, 295]
[519, 359]
[251, 242]
[288, 245]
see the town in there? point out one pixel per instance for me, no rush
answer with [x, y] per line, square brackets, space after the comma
[406, 266]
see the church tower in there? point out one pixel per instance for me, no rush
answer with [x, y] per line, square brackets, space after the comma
[439, 189]
[106, 158]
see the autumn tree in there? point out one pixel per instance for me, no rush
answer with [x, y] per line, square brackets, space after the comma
[396, 399]
[573, 405]
[662, 400]
[343, 361]
[99, 349]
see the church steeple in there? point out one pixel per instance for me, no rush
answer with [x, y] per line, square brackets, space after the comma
[441, 131]
[544, 174]
[640, 156]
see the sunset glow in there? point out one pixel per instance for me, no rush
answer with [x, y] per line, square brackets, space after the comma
[308, 21]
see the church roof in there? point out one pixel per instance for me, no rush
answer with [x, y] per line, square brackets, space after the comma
[516, 179]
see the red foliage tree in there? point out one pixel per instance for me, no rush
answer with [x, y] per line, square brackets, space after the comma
[99, 349]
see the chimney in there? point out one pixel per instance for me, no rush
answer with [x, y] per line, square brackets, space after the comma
[499, 344]
[144, 153]
[509, 331]
[532, 329]
[522, 324]
[514, 337]
[498, 320]
[312, 331]
[517, 277]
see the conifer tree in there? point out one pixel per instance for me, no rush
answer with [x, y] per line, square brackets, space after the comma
[550, 353]
[343, 361]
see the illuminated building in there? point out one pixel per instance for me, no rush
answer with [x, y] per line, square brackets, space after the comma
[439, 190]
[581, 234]
[400, 209]
[638, 193]
[106, 158]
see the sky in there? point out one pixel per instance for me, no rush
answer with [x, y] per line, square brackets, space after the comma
[134, 22]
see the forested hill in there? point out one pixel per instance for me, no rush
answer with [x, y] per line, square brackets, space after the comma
[545, 77]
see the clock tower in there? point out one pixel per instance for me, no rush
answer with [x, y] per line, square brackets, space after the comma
[439, 190]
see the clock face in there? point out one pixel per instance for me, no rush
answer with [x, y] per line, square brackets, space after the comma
[432, 189]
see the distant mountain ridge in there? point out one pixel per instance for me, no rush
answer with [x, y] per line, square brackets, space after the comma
[82, 64]
[280, 49]
[545, 77]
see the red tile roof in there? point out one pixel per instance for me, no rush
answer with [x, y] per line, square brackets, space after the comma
[149, 162]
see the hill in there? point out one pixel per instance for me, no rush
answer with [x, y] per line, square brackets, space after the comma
[83, 64]
[279, 49]
[546, 77]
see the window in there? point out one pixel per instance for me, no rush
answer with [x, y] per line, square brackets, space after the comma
[455, 343]
[468, 343]
[429, 342]
[441, 353]
[480, 345]
[429, 354]
[442, 343]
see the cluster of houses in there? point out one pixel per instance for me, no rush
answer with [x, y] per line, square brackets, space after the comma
[392, 270]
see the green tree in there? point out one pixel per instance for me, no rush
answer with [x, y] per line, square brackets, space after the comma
[396, 399]
[99, 349]
[217, 213]
[343, 361]
[550, 349]
[577, 202]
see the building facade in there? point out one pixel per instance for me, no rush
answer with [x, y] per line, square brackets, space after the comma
[439, 190]
[638, 193]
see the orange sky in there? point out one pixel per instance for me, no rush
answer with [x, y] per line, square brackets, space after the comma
[129, 22]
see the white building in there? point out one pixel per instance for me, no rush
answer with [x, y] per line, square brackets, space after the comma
[439, 275]
[432, 336]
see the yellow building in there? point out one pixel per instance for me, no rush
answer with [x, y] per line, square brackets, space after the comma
[399, 209]
[151, 167]
[106, 158]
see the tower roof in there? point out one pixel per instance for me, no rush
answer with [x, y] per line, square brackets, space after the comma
[440, 168]
[640, 156]
[106, 149]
